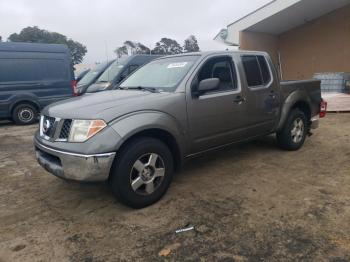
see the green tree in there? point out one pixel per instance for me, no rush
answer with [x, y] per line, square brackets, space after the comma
[167, 46]
[131, 48]
[37, 35]
[121, 51]
[77, 51]
[191, 44]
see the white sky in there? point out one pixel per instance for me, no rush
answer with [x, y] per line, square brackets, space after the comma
[94, 23]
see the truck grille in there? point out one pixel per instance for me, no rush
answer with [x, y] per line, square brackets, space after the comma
[52, 128]
[64, 134]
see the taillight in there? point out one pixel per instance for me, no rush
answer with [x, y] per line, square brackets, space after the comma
[74, 87]
[323, 109]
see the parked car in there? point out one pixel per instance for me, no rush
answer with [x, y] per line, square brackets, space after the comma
[81, 74]
[33, 76]
[170, 110]
[92, 76]
[118, 71]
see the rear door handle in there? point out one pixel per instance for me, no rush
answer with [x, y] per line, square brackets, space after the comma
[239, 100]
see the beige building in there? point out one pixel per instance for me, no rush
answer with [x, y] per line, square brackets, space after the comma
[303, 37]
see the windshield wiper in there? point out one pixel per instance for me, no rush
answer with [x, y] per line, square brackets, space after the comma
[150, 89]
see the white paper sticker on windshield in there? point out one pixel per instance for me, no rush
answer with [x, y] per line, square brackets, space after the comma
[175, 65]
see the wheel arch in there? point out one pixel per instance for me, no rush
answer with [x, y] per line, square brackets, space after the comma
[298, 100]
[24, 101]
[154, 124]
[157, 133]
[304, 107]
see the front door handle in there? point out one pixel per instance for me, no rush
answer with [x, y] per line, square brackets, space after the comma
[239, 100]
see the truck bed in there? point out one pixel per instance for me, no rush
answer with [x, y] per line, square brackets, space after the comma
[308, 89]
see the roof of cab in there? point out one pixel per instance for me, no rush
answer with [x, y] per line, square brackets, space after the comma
[206, 53]
[33, 47]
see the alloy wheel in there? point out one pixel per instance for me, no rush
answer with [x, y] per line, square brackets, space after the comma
[297, 131]
[147, 173]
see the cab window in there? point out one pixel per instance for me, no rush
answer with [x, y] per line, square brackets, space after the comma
[222, 68]
[256, 70]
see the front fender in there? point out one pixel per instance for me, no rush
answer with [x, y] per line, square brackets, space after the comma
[291, 100]
[131, 124]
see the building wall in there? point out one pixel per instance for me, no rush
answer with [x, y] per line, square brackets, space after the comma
[322, 45]
[260, 42]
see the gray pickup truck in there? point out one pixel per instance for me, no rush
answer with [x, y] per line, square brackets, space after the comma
[169, 110]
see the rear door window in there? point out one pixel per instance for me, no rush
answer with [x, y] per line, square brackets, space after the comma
[256, 70]
[252, 71]
[265, 72]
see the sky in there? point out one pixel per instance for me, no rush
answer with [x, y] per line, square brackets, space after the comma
[103, 25]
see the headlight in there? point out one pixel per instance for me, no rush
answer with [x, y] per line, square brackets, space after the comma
[82, 130]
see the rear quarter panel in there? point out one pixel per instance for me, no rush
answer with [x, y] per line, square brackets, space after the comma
[308, 91]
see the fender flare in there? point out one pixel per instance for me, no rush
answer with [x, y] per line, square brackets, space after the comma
[294, 98]
[136, 122]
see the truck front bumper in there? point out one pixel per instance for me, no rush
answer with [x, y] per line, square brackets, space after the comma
[72, 166]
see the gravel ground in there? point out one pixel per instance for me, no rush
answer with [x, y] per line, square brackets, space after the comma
[251, 202]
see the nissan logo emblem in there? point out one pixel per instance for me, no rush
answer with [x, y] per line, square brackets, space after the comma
[46, 126]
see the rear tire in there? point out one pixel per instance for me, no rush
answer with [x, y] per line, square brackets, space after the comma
[24, 114]
[142, 172]
[293, 134]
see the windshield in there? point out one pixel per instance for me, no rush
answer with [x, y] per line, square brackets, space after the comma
[163, 74]
[112, 71]
[82, 73]
[90, 76]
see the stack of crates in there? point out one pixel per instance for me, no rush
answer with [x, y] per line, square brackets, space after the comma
[334, 82]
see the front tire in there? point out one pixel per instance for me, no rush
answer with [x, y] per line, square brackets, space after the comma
[24, 114]
[293, 134]
[142, 172]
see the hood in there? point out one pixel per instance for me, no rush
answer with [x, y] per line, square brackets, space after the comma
[106, 105]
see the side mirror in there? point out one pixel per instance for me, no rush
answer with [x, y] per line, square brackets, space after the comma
[207, 85]
[94, 88]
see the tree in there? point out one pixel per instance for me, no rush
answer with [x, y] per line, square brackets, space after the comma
[121, 51]
[191, 44]
[77, 51]
[0, 38]
[167, 46]
[131, 48]
[37, 35]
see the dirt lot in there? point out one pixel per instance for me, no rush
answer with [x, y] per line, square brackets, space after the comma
[252, 202]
